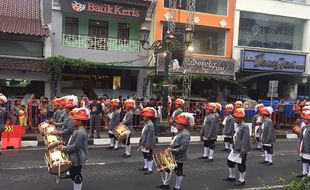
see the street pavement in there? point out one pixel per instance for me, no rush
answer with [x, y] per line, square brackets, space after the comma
[26, 170]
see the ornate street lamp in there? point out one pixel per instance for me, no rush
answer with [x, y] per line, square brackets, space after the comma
[168, 45]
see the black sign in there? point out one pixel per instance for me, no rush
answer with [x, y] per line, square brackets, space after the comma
[104, 8]
[200, 65]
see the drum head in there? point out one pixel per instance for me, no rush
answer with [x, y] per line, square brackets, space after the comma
[63, 168]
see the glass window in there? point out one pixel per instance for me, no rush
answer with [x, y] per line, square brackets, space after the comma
[21, 48]
[123, 33]
[209, 41]
[72, 26]
[116, 82]
[205, 6]
[266, 31]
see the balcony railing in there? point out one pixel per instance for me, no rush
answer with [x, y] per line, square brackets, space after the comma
[100, 43]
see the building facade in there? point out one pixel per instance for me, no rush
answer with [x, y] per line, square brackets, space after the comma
[212, 45]
[272, 43]
[104, 32]
[24, 43]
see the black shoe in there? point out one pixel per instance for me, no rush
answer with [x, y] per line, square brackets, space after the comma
[239, 183]
[110, 147]
[209, 160]
[163, 187]
[258, 149]
[123, 154]
[269, 164]
[264, 162]
[301, 175]
[64, 176]
[147, 172]
[230, 179]
[142, 169]
[126, 156]
[115, 149]
[203, 157]
[226, 149]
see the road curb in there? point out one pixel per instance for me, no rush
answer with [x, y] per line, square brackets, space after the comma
[135, 140]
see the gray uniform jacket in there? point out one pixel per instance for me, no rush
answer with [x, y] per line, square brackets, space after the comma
[67, 129]
[242, 138]
[268, 135]
[56, 116]
[2, 118]
[180, 145]
[175, 114]
[305, 138]
[115, 120]
[77, 147]
[209, 127]
[63, 116]
[128, 120]
[229, 127]
[217, 121]
[147, 138]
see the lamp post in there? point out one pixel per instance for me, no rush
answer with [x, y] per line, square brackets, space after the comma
[167, 45]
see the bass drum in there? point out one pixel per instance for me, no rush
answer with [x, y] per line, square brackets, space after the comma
[121, 132]
[57, 161]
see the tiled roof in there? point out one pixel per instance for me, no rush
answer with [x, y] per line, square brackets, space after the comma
[21, 17]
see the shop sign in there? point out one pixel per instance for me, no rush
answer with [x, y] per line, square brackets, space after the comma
[106, 9]
[269, 61]
[199, 65]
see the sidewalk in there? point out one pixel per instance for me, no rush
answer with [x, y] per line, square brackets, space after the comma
[34, 140]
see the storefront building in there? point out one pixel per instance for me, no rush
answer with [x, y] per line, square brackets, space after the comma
[273, 45]
[23, 46]
[105, 32]
[212, 44]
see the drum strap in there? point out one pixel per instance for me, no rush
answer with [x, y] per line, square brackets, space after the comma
[58, 175]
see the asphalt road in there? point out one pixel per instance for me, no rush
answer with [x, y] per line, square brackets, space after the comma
[25, 170]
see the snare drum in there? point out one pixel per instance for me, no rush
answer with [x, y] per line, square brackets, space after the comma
[121, 132]
[57, 161]
[164, 160]
[52, 141]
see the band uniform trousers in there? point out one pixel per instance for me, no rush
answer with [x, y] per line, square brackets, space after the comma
[241, 167]
[148, 155]
[75, 174]
[95, 122]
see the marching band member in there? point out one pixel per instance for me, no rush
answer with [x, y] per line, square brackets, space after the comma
[147, 139]
[268, 135]
[217, 117]
[229, 127]
[304, 147]
[57, 114]
[115, 120]
[238, 104]
[3, 101]
[242, 146]
[67, 126]
[178, 110]
[208, 132]
[128, 122]
[77, 146]
[257, 125]
[179, 146]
